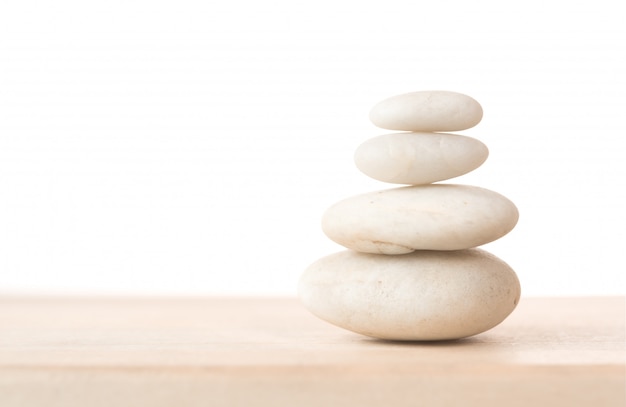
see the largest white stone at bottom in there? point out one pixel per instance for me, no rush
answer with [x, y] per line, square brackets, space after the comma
[420, 296]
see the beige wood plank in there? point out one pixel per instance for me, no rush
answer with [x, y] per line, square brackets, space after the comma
[253, 351]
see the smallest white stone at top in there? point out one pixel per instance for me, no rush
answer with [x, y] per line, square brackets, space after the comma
[431, 111]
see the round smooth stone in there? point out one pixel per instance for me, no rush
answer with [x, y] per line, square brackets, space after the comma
[427, 111]
[420, 217]
[421, 296]
[419, 158]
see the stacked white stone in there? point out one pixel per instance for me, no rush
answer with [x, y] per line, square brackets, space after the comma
[413, 271]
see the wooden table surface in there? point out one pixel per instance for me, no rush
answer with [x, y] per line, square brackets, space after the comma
[272, 352]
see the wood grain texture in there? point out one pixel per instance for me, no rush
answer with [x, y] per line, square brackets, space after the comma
[272, 352]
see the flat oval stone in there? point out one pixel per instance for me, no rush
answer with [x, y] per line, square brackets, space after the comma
[421, 296]
[427, 111]
[420, 217]
[419, 158]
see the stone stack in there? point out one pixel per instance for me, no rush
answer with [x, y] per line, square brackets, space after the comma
[412, 271]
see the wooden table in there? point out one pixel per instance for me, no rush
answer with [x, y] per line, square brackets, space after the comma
[272, 352]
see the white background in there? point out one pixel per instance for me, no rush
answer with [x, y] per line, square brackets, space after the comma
[192, 146]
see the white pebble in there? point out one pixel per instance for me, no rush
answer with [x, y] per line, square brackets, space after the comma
[419, 158]
[427, 111]
[425, 295]
[421, 217]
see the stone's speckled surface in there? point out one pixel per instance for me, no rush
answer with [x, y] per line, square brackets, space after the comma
[419, 158]
[421, 217]
[427, 111]
[425, 295]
